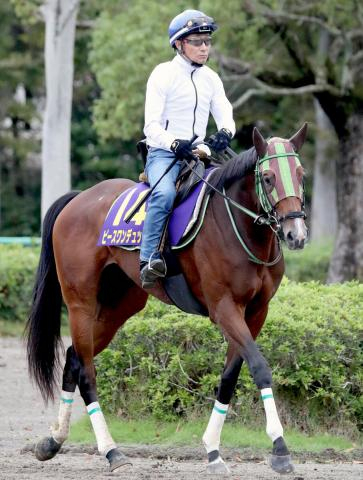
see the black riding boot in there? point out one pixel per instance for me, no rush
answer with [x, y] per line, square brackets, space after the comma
[152, 270]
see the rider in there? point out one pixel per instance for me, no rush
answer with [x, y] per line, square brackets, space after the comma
[180, 95]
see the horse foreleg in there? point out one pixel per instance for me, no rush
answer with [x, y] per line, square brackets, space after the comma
[48, 447]
[212, 435]
[230, 317]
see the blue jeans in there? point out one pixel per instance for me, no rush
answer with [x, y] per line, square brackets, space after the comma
[161, 200]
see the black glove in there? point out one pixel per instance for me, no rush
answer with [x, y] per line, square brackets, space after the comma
[220, 140]
[182, 149]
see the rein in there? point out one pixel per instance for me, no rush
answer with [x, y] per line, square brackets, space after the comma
[253, 258]
[258, 219]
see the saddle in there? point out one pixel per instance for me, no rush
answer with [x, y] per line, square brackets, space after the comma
[189, 176]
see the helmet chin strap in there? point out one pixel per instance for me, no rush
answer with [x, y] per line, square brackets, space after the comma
[182, 54]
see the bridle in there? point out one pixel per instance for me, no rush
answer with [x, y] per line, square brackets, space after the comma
[270, 216]
[266, 204]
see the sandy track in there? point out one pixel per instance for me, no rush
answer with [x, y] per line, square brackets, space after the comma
[24, 419]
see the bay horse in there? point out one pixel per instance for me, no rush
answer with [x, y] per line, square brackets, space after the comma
[233, 267]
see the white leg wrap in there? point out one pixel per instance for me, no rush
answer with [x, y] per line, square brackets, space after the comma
[105, 442]
[60, 429]
[212, 435]
[273, 425]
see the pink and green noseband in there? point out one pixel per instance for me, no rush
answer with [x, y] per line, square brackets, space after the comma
[281, 163]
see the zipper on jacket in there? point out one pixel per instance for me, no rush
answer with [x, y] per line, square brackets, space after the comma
[196, 100]
[167, 124]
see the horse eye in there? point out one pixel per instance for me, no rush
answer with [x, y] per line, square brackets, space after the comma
[299, 174]
[269, 180]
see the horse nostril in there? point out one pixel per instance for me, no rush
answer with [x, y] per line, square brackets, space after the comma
[290, 236]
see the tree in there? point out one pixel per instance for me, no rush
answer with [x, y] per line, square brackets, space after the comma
[127, 44]
[94, 160]
[60, 18]
[324, 198]
[20, 83]
[22, 62]
[274, 52]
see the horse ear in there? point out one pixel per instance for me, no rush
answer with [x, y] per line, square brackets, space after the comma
[259, 142]
[299, 138]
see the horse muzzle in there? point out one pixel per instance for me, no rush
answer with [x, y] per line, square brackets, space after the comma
[294, 230]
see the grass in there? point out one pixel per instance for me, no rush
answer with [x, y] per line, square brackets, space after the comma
[11, 329]
[152, 432]
[16, 329]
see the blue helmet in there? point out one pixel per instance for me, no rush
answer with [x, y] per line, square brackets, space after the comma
[190, 21]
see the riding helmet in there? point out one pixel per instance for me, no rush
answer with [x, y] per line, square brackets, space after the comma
[190, 21]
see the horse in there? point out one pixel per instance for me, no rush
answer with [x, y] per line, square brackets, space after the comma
[233, 266]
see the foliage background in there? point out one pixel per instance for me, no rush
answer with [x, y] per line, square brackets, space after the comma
[113, 59]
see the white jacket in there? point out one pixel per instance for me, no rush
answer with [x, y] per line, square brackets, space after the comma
[179, 98]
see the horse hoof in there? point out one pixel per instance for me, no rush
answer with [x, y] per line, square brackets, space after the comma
[46, 449]
[282, 464]
[218, 467]
[117, 459]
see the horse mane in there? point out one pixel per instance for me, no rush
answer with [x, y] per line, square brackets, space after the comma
[233, 170]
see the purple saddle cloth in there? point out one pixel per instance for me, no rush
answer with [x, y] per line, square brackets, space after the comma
[116, 232]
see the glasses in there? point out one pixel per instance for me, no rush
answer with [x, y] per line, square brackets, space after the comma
[198, 42]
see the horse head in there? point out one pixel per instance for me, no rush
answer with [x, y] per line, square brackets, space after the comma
[279, 184]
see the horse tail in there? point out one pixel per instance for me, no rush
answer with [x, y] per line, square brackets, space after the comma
[42, 330]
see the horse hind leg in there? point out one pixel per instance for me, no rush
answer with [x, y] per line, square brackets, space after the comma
[112, 316]
[75, 373]
[105, 443]
[89, 340]
[48, 447]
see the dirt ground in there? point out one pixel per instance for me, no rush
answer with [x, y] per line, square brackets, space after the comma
[24, 420]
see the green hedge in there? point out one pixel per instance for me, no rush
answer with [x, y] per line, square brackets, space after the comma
[18, 266]
[167, 363]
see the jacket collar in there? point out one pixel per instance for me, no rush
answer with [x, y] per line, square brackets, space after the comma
[185, 64]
